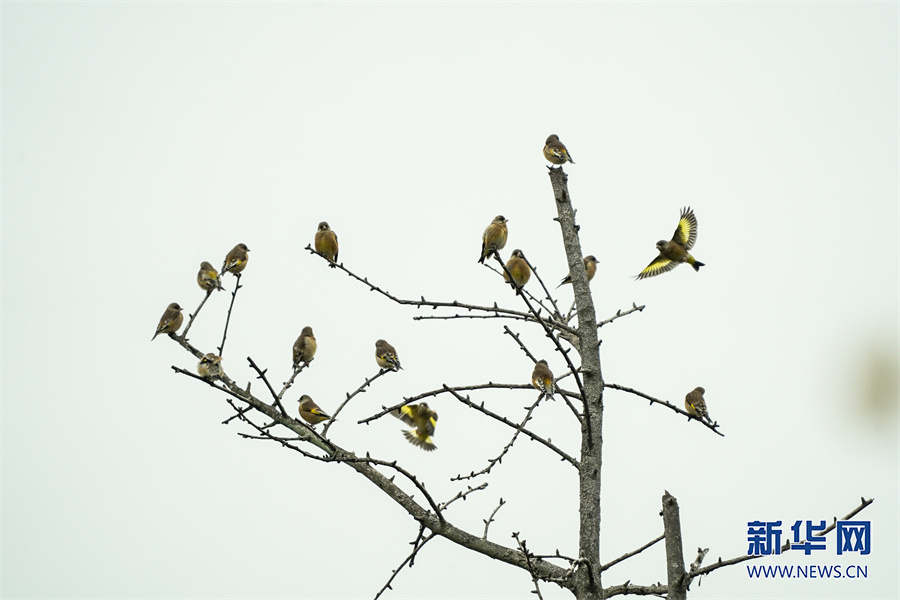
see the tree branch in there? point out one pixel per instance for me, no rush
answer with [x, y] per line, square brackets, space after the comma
[196, 312]
[714, 427]
[357, 391]
[237, 286]
[628, 555]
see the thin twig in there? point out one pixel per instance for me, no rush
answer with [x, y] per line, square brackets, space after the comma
[632, 553]
[714, 427]
[490, 519]
[534, 578]
[261, 374]
[417, 544]
[196, 312]
[463, 495]
[621, 313]
[287, 384]
[358, 390]
[237, 286]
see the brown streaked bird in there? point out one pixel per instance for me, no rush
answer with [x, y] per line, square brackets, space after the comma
[170, 321]
[386, 356]
[542, 379]
[518, 268]
[236, 260]
[304, 347]
[675, 251]
[208, 277]
[696, 405]
[310, 411]
[494, 237]
[327, 243]
[555, 151]
[590, 265]
[210, 366]
[423, 419]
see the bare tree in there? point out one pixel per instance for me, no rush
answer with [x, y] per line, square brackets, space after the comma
[266, 418]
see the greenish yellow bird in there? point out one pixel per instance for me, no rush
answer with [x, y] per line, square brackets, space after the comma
[494, 237]
[236, 260]
[210, 366]
[423, 419]
[310, 411]
[386, 356]
[170, 321]
[675, 251]
[304, 347]
[696, 405]
[555, 151]
[327, 243]
[542, 379]
[590, 265]
[208, 277]
[518, 268]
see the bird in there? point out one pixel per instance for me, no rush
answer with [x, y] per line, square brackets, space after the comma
[310, 411]
[386, 356]
[555, 151]
[590, 265]
[327, 243]
[494, 237]
[542, 379]
[210, 366]
[170, 321]
[696, 405]
[236, 260]
[208, 277]
[518, 268]
[423, 419]
[304, 347]
[675, 251]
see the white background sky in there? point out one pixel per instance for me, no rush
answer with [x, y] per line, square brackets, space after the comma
[139, 139]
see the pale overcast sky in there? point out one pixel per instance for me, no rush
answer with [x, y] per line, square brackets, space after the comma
[139, 139]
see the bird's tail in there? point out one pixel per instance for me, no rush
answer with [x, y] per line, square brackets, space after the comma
[696, 264]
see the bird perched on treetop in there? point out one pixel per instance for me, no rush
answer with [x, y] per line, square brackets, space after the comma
[210, 366]
[304, 347]
[236, 260]
[675, 251]
[208, 277]
[386, 356]
[590, 265]
[555, 151]
[696, 405]
[542, 378]
[170, 321]
[424, 419]
[518, 268]
[327, 243]
[310, 411]
[494, 237]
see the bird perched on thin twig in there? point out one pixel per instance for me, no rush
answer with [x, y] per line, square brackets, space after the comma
[208, 277]
[304, 347]
[696, 405]
[236, 260]
[555, 151]
[675, 251]
[590, 265]
[542, 379]
[310, 411]
[210, 366]
[386, 356]
[518, 268]
[423, 419]
[170, 321]
[494, 237]
[327, 243]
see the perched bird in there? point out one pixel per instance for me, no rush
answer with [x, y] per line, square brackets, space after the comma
[555, 151]
[675, 251]
[494, 237]
[590, 265]
[210, 366]
[304, 347]
[542, 378]
[518, 268]
[696, 405]
[310, 411]
[423, 419]
[386, 356]
[170, 321]
[236, 260]
[327, 242]
[208, 277]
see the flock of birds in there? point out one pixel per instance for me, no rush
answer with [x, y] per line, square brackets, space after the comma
[671, 254]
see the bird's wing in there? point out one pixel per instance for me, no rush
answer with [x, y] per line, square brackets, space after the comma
[660, 264]
[686, 232]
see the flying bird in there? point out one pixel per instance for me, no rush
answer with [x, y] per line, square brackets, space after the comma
[423, 419]
[675, 251]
